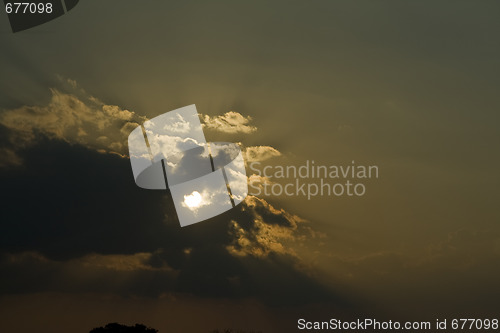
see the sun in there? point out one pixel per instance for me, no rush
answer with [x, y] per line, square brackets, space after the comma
[193, 200]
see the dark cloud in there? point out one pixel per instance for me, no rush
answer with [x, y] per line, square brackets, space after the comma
[67, 200]
[73, 220]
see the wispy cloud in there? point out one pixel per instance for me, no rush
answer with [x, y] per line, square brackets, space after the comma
[267, 230]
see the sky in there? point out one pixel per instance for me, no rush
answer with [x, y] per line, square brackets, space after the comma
[410, 87]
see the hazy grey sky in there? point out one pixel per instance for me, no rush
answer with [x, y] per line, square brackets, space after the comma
[409, 86]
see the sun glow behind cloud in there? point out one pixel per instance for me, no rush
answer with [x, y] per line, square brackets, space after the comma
[193, 200]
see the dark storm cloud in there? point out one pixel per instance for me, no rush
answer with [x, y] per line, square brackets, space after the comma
[73, 220]
[66, 200]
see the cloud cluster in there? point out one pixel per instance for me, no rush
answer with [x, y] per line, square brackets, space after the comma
[84, 121]
[88, 226]
[231, 122]
[79, 118]
[265, 230]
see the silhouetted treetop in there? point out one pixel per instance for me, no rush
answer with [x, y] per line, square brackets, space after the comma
[118, 328]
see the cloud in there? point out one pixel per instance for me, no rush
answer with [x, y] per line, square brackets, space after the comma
[88, 226]
[231, 122]
[77, 120]
[32, 272]
[258, 183]
[9, 158]
[118, 262]
[180, 126]
[260, 153]
[266, 233]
